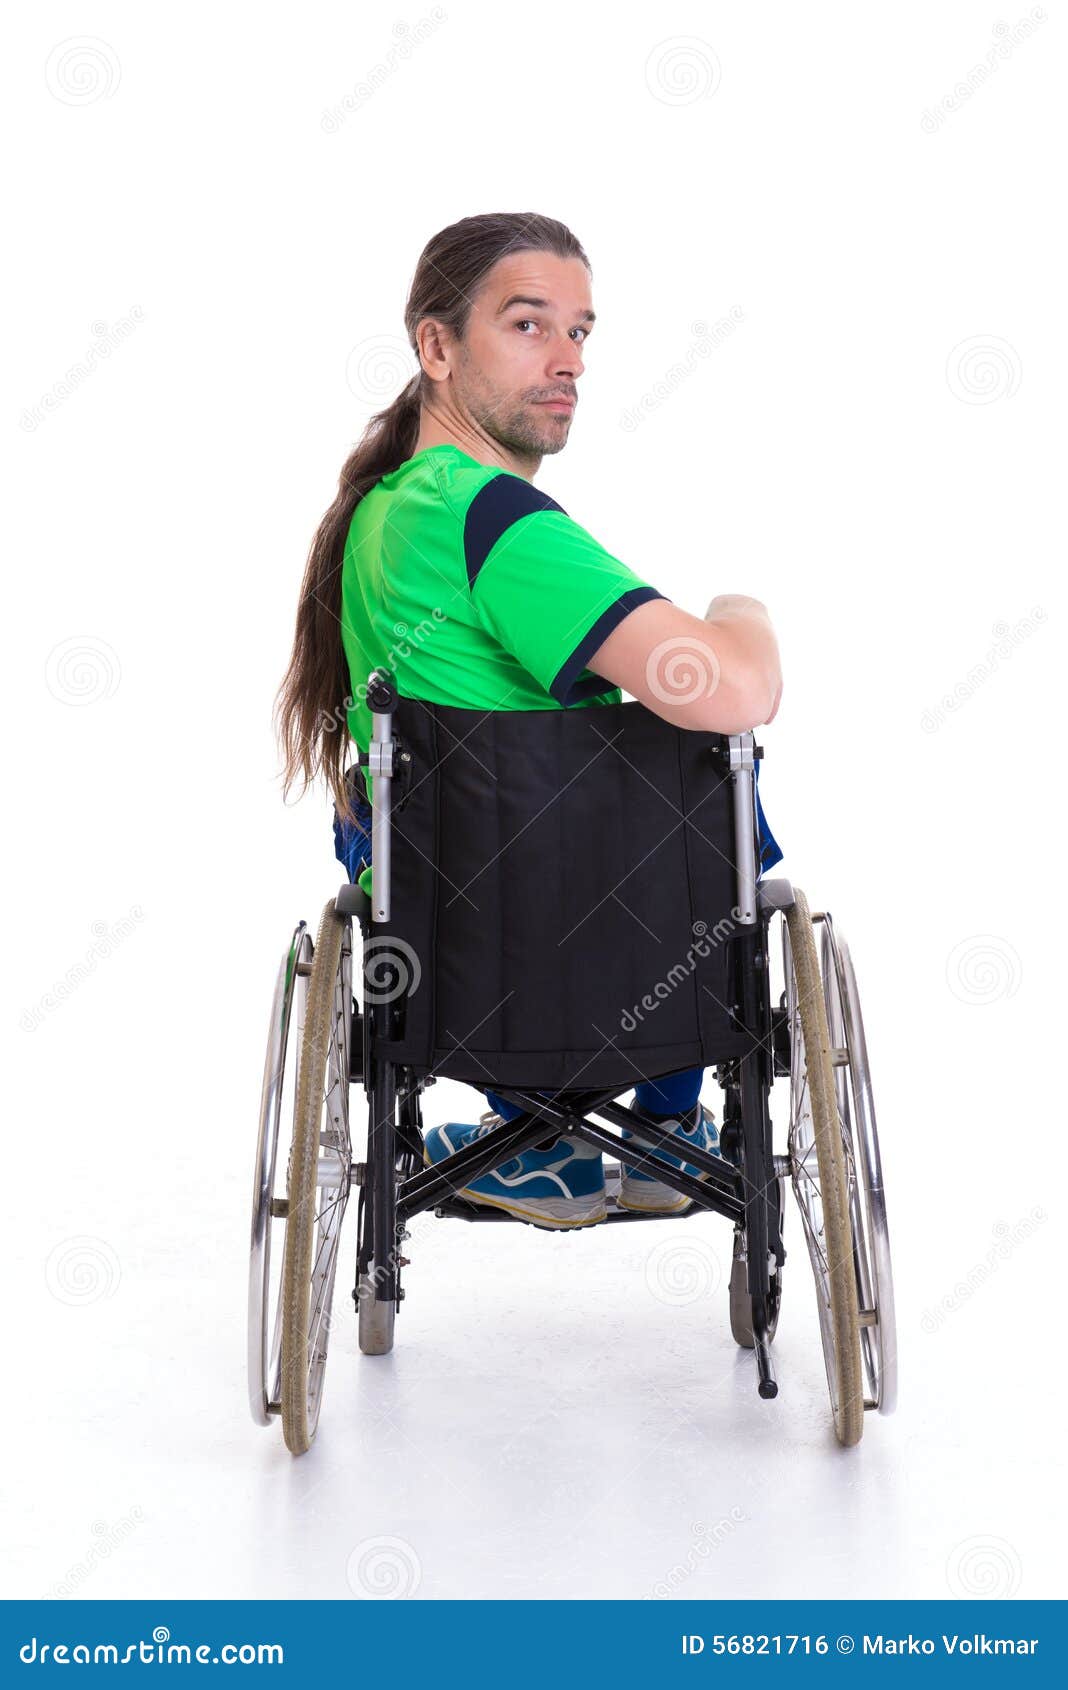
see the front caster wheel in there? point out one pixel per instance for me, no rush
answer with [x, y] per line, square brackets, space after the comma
[375, 1318]
[741, 1301]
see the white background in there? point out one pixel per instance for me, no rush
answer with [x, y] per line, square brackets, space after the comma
[211, 195]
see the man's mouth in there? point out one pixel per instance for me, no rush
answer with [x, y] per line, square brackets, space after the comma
[557, 404]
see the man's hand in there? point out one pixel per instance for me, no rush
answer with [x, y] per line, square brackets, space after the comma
[735, 604]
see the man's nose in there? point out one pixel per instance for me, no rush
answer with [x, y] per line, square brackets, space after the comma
[564, 358]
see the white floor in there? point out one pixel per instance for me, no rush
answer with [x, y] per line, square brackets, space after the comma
[562, 1416]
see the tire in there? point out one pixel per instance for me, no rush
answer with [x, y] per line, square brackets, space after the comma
[819, 1172]
[318, 1180]
[856, 1110]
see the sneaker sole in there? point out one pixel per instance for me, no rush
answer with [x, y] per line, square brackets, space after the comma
[652, 1198]
[551, 1212]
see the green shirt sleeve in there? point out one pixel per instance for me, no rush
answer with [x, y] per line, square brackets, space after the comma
[544, 587]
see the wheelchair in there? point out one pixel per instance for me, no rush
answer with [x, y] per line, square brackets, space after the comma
[565, 903]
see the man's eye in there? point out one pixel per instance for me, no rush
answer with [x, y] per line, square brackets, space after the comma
[578, 329]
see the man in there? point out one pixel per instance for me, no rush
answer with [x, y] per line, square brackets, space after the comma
[476, 589]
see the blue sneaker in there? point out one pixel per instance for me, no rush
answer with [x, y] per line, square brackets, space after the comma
[650, 1196]
[559, 1187]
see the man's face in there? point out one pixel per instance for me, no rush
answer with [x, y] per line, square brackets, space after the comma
[526, 333]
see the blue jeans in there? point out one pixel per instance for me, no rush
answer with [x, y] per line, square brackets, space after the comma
[671, 1094]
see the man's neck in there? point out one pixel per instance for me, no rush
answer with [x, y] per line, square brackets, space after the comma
[477, 446]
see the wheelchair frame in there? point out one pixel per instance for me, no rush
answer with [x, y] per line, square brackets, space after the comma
[746, 1184]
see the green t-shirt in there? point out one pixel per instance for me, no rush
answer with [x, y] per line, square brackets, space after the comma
[473, 588]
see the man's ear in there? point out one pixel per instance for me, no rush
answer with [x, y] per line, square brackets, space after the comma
[435, 348]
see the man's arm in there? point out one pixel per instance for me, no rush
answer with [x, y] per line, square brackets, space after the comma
[719, 674]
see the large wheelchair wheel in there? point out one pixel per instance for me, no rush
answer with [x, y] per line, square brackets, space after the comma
[867, 1197]
[320, 1166]
[822, 1171]
[284, 1038]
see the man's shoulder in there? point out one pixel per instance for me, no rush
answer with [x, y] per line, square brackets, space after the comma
[461, 481]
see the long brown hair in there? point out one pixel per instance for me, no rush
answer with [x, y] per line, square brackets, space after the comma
[315, 692]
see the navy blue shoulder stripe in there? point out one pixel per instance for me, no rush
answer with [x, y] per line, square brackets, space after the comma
[504, 500]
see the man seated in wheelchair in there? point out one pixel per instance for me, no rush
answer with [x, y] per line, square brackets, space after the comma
[443, 563]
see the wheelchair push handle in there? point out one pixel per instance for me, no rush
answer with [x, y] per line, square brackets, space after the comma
[381, 692]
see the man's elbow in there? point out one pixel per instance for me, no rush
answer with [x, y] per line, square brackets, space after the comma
[732, 708]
